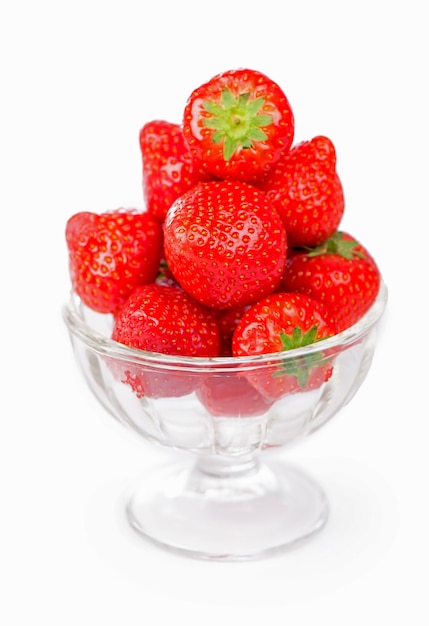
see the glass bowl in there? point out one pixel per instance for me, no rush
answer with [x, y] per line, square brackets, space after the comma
[227, 499]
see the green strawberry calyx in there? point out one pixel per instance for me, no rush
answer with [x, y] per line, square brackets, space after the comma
[236, 121]
[338, 244]
[302, 366]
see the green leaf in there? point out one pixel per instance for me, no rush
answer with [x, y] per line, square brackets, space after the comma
[300, 367]
[228, 100]
[257, 134]
[310, 336]
[287, 341]
[243, 99]
[230, 146]
[337, 244]
[218, 136]
[246, 143]
[298, 338]
[262, 120]
[255, 105]
[302, 376]
[213, 122]
[213, 108]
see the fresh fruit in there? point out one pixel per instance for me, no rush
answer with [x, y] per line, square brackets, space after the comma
[148, 318]
[227, 321]
[165, 319]
[225, 244]
[279, 323]
[168, 167]
[231, 396]
[110, 254]
[238, 251]
[150, 382]
[238, 124]
[341, 273]
[307, 192]
[165, 275]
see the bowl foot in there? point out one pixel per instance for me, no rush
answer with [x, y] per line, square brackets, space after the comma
[227, 510]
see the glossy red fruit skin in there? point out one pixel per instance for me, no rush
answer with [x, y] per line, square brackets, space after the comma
[225, 244]
[249, 163]
[346, 286]
[307, 192]
[259, 329]
[112, 253]
[227, 321]
[164, 319]
[167, 166]
[259, 332]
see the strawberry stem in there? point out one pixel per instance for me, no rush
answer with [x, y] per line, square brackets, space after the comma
[300, 367]
[236, 122]
[337, 244]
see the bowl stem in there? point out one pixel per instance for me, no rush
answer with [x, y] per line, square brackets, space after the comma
[228, 507]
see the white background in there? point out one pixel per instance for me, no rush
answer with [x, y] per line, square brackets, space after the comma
[78, 80]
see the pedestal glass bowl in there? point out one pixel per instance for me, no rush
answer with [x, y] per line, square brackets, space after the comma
[228, 499]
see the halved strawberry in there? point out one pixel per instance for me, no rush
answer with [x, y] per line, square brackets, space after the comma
[110, 254]
[341, 273]
[307, 192]
[168, 167]
[279, 323]
[238, 124]
[225, 244]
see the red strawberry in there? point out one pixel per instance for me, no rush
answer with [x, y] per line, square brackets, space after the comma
[110, 254]
[279, 323]
[165, 275]
[340, 272]
[231, 396]
[168, 168]
[238, 124]
[225, 244]
[306, 191]
[165, 319]
[227, 321]
[150, 382]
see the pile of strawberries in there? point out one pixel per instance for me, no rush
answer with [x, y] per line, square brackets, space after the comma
[238, 250]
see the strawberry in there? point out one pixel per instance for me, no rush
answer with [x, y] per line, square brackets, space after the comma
[340, 272]
[279, 323]
[149, 382]
[307, 192]
[225, 244]
[159, 318]
[162, 318]
[238, 124]
[227, 321]
[168, 167]
[231, 396]
[110, 254]
[165, 275]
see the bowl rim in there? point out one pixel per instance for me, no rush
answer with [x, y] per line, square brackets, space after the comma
[105, 346]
